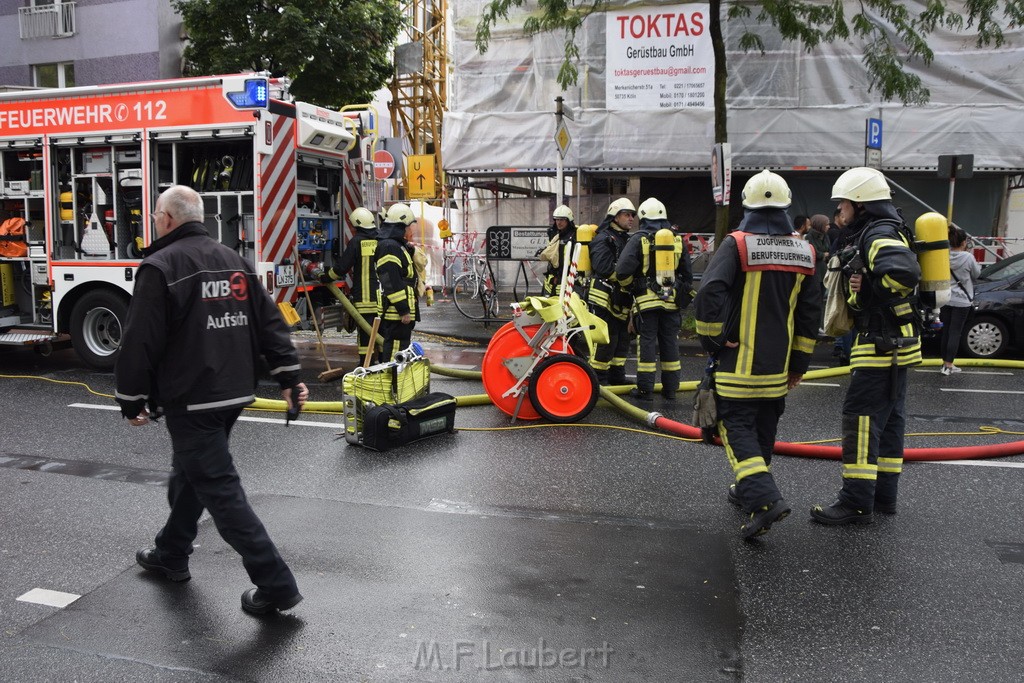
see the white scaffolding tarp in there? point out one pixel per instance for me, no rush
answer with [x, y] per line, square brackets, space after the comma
[787, 108]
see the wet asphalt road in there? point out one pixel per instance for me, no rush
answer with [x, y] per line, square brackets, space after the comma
[548, 553]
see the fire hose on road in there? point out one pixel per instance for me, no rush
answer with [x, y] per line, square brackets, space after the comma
[662, 423]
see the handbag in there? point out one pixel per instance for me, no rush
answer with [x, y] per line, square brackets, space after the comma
[838, 320]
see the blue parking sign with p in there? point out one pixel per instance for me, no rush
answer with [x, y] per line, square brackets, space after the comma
[873, 133]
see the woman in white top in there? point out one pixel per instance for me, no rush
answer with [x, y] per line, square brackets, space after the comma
[964, 271]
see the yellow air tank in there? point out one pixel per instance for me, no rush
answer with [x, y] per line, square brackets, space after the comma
[67, 206]
[584, 235]
[665, 262]
[932, 233]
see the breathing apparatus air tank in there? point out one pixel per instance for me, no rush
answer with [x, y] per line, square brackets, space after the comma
[67, 206]
[584, 235]
[932, 246]
[665, 262]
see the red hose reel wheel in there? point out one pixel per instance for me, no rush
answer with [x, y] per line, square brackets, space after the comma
[507, 342]
[563, 388]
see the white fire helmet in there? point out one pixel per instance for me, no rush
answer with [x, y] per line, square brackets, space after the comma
[362, 218]
[861, 184]
[652, 209]
[400, 213]
[563, 211]
[766, 190]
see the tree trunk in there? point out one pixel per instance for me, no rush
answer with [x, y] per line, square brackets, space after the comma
[721, 128]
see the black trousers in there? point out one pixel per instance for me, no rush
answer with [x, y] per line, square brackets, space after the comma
[396, 335]
[204, 477]
[953, 320]
[364, 336]
[610, 359]
[874, 426]
[748, 430]
[659, 341]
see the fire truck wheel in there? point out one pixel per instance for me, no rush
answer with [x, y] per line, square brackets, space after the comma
[97, 321]
[563, 388]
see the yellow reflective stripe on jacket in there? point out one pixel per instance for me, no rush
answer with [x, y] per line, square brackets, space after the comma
[748, 323]
[804, 344]
[367, 293]
[708, 329]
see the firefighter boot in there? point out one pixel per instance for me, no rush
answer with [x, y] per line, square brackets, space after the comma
[761, 519]
[734, 496]
[641, 395]
[838, 514]
[617, 375]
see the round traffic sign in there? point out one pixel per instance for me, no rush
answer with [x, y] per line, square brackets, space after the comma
[383, 164]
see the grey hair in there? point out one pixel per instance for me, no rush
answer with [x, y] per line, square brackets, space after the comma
[184, 204]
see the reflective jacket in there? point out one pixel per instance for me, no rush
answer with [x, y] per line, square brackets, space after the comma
[605, 292]
[396, 273]
[759, 290]
[884, 310]
[358, 258]
[636, 267]
[199, 318]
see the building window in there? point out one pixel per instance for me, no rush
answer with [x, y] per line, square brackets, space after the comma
[59, 75]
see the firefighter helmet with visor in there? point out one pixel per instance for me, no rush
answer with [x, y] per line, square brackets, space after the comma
[563, 211]
[620, 205]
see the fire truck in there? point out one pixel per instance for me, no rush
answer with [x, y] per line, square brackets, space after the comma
[81, 168]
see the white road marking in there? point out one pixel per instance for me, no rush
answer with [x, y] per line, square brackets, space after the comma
[819, 384]
[979, 463]
[936, 371]
[245, 418]
[981, 391]
[45, 596]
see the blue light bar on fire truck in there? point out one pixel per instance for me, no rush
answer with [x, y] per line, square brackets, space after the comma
[247, 93]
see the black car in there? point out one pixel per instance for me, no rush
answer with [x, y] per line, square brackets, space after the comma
[995, 324]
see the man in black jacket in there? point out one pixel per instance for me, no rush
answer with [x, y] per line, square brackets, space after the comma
[199, 318]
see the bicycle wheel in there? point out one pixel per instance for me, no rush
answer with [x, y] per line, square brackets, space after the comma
[489, 297]
[464, 290]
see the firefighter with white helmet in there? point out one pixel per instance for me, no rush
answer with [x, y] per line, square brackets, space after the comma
[397, 304]
[358, 259]
[757, 317]
[881, 274]
[655, 264]
[561, 233]
[609, 301]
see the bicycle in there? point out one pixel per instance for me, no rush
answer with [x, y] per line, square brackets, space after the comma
[476, 284]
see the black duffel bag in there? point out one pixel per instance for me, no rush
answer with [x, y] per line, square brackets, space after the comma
[387, 426]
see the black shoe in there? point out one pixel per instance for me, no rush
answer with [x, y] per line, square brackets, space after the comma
[761, 519]
[734, 496]
[254, 602]
[641, 395]
[668, 395]
[149, 560]
[837, 514]
[617, 377]
[885, 508]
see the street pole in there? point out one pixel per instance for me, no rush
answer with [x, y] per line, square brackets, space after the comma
[558, 123]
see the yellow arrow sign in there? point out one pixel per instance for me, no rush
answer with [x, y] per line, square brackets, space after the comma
[420, 181]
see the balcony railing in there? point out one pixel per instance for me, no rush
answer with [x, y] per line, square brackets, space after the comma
[47, 21]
